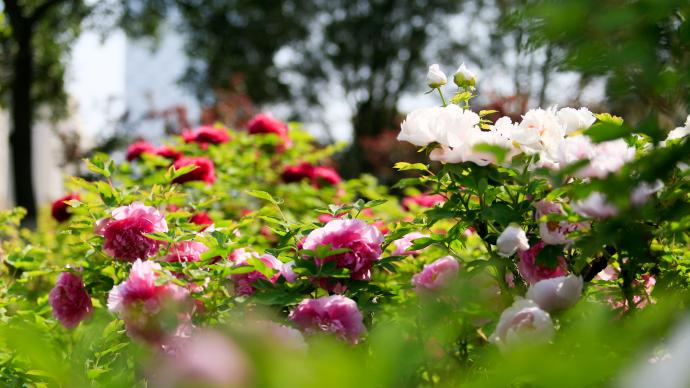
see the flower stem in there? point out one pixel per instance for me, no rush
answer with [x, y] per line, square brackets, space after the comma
[440, 93]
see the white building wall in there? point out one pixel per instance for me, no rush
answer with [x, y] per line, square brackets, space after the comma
[5, 181]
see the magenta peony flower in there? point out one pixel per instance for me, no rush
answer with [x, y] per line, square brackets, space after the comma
[244, 283]
[185, 252]
[332, 314]
[125, 231]
[204, 170]
[135, 149]
[206, 135]
[422, 200]
[151, 312]
[265, 124]
[325, 176]
[532, 272]
[59, 210]
[403, 244]
[70, 302]
[363, 240]
[436, 275]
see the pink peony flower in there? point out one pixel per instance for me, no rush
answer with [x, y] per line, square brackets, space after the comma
[265, 124]
[436, 275]
[245, 283]
[422, 200]
[125, 231]
[150, 311]
[201, 218]
[206, 135]
[70, 302]
[554, 232]
[332, 314]
[59, 210]
[135, 149]
[363, 240]
[206, 359]
[204, 170]
[185, 252]
[403, 244]
[325, 176]
[533, 272]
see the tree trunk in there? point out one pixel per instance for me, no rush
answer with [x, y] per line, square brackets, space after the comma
[369, 120]
[22, 115]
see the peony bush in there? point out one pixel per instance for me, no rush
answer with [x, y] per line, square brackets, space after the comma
[550, 251]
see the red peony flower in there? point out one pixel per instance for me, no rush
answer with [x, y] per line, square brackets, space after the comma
[201, 218]
[206, 135]
[59, 208]
[135, 149]
[70, 302]
[169, 153]
[265, 124]
[204, 170]
[298, 173]
[323, 175]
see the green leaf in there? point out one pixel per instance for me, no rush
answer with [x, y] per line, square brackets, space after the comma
[263, 195]
[604, 131]
[404, 166]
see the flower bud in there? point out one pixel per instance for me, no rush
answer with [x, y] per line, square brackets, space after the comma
[511, 240]
[464, 78]
[435, 78]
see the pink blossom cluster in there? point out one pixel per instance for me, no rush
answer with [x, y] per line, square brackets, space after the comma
[70, 302]
[124, 233]
[245, 284]
[151, 311]
[335, 314]
[205, 135]
[363, 242]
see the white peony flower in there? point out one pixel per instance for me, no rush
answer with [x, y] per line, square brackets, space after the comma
[596, 205]
[450, 126]
[512, 239]
[641, 194]
[435, 78]
[418, 126]
[557, 293]
[604, 158]
[464, 77]
[524, 322]
[576, 119]
[540, 131]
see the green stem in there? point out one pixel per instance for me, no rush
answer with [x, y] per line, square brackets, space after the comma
[440, 93]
